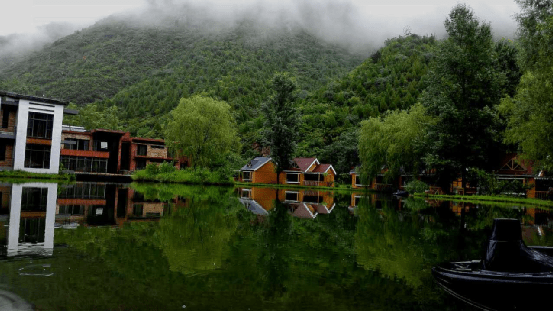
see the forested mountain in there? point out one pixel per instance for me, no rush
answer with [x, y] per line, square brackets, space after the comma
[145, 70]
[127, 75]
[392, 78]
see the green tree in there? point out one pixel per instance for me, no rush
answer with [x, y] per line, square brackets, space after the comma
[203, 129]
[281, 122]
[394, 141]
[529, 113]
[464, 85]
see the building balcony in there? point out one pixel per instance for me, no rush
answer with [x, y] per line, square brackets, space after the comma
[85, 153]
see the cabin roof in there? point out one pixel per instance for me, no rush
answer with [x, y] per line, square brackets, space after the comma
[323, 168]
[255, 163]
[305, 163]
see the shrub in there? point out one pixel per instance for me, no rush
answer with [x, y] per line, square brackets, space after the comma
[416, 186]
[152, 169]
[166, 167]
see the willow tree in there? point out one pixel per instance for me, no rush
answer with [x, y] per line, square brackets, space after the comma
[202, 129]
[465, 84]
[530, 111]
[394, 141]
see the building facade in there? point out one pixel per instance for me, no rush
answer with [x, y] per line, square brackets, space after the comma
[30, 133]
[304, 172]
[111, 152]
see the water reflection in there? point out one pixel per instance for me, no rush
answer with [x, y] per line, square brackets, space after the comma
[301, 203]
[31, 211]
[158, 247]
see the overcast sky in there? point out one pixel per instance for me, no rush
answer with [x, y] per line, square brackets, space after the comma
[370, 16]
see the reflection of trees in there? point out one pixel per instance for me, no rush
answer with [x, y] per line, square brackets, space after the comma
[196, 238]
[277, 262]
[401, 244]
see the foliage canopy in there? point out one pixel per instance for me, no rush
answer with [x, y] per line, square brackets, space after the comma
[203, 129]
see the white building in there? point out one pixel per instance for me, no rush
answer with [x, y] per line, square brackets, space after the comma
[30, 132]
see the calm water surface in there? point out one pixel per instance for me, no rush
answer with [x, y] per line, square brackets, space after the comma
[92, 246]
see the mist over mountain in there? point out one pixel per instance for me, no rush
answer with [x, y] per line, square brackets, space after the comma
[357, 24]
[16, 46]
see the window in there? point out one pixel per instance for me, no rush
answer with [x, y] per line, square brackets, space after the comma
[100, 145]
[76, 144]
[84, 191]
[313, 177]
[137, 210]
[82, 164]
[247, 176]
[246, 193]
[40, 125]
[142, 150]
[158, 147]
[5, 118]
[293, 178]
[71, 210]
[2, 151]
[292, 196]
[34, 199]
[37, 156]
[140, 164]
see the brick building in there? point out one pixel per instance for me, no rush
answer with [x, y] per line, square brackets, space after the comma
[109, 151]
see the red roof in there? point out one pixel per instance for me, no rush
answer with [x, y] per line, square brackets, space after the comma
[513, 165]
[322, 168]
[304, 163]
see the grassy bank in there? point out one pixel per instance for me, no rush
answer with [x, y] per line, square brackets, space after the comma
[13, 176]
[198, 176]
[341, 188]
[486, 199]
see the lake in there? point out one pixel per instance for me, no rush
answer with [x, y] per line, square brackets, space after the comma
[94, 246]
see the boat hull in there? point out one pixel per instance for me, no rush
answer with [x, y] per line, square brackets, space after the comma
[490, 290]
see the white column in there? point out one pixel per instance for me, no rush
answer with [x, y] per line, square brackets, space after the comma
[56, 140]
[50, 216]
[21, 135]
[15, 218]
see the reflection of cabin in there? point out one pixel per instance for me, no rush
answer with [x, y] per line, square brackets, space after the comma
[304, 172]
[261, 200]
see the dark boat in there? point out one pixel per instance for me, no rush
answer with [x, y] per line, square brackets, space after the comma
[401, 193]
[512, 276]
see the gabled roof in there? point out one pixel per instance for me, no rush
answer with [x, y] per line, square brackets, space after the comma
[323, 168]
[255, 163]
[511, 164]
[302, 210]
[305, 163]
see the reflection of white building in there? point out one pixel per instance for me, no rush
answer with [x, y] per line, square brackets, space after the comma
[32, 218]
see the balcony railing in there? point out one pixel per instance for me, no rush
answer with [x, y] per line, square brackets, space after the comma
[317, 183]
[541, 195]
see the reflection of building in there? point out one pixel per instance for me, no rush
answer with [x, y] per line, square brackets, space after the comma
[100, 204]
[30, 133]
[31, 211]
[31, 219]
[301, 202]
